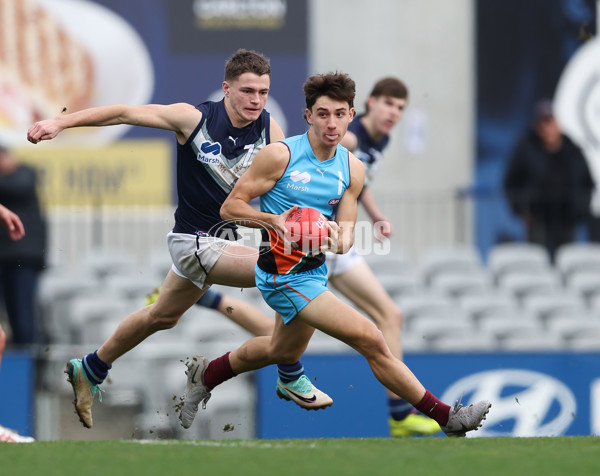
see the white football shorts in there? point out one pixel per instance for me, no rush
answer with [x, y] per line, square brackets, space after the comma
[194, 256]
[339, 264]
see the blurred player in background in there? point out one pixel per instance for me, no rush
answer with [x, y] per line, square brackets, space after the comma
[216, 142]
[16, 231]
[367, 137]
[294, 282]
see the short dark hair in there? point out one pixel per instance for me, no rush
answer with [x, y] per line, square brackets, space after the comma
[246, 61]
[338, 86]
[389, 86]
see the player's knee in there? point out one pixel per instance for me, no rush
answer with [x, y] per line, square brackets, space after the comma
[163, 321]
[397, 317]
[371, 342]
[390, 318]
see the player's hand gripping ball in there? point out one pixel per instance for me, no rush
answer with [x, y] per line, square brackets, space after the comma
[308, 229]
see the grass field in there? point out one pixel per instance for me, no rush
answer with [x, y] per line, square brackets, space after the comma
[572, 456]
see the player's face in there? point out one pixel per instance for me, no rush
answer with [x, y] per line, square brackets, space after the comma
[245, 97]
[386, 111]
[329, 120]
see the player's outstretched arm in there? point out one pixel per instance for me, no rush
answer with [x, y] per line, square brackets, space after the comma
[383, 226]
[180, 118]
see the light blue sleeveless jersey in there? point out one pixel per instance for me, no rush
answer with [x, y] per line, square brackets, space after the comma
[306, 182]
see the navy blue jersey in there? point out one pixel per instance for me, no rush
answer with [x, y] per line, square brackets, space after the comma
[367, 150]
[215, 155]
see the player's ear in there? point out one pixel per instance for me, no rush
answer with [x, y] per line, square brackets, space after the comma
[370, 101]
[351, 114]
[226, 88]
[308, 116]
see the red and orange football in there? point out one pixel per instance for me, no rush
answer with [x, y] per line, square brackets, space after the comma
[308, 228]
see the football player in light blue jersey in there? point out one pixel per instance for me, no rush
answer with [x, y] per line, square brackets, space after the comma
[299, 294]
[367, 137]
[216, 142]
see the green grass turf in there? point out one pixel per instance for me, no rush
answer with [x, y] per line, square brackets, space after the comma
[572, 456]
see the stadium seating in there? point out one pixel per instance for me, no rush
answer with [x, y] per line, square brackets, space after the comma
[106, 261]
[93, 317]
[423, 304]
[457, 284]
[533, 341]
[503, 327]
[436, 325]
[517, 257]
[524, 283]
[83, 305]
[458, 259]
[545, 306]
[401, 284]
[585, 283]
[468, 341]
[135, 285]
[578, 256]
[451, 302]
[588, 342]
[396, 263]
[57, 287]
[573, 326]
[494, 301]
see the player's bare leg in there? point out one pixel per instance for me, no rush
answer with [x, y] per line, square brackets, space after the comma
[246, 315]
[85, 375]
[360, 285]
[336, 318]
[286, 345]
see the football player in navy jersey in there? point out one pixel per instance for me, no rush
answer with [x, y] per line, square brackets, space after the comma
[294, 282]
[367, 137]
[216, 143]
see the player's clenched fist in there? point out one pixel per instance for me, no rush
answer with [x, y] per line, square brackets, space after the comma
[43, 130]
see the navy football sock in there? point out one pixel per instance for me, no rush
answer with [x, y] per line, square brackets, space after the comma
[289, 373]
[399, 408]
[95, 369]
[210, 299]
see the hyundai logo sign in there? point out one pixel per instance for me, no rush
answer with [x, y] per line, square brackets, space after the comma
[524, 403]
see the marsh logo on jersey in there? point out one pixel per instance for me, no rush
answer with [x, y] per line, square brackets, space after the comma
[298, 176]
[209, 153]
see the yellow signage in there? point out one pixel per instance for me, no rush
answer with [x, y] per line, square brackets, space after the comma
[126, 173]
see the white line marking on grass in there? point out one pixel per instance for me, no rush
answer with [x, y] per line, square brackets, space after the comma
[228, 444]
